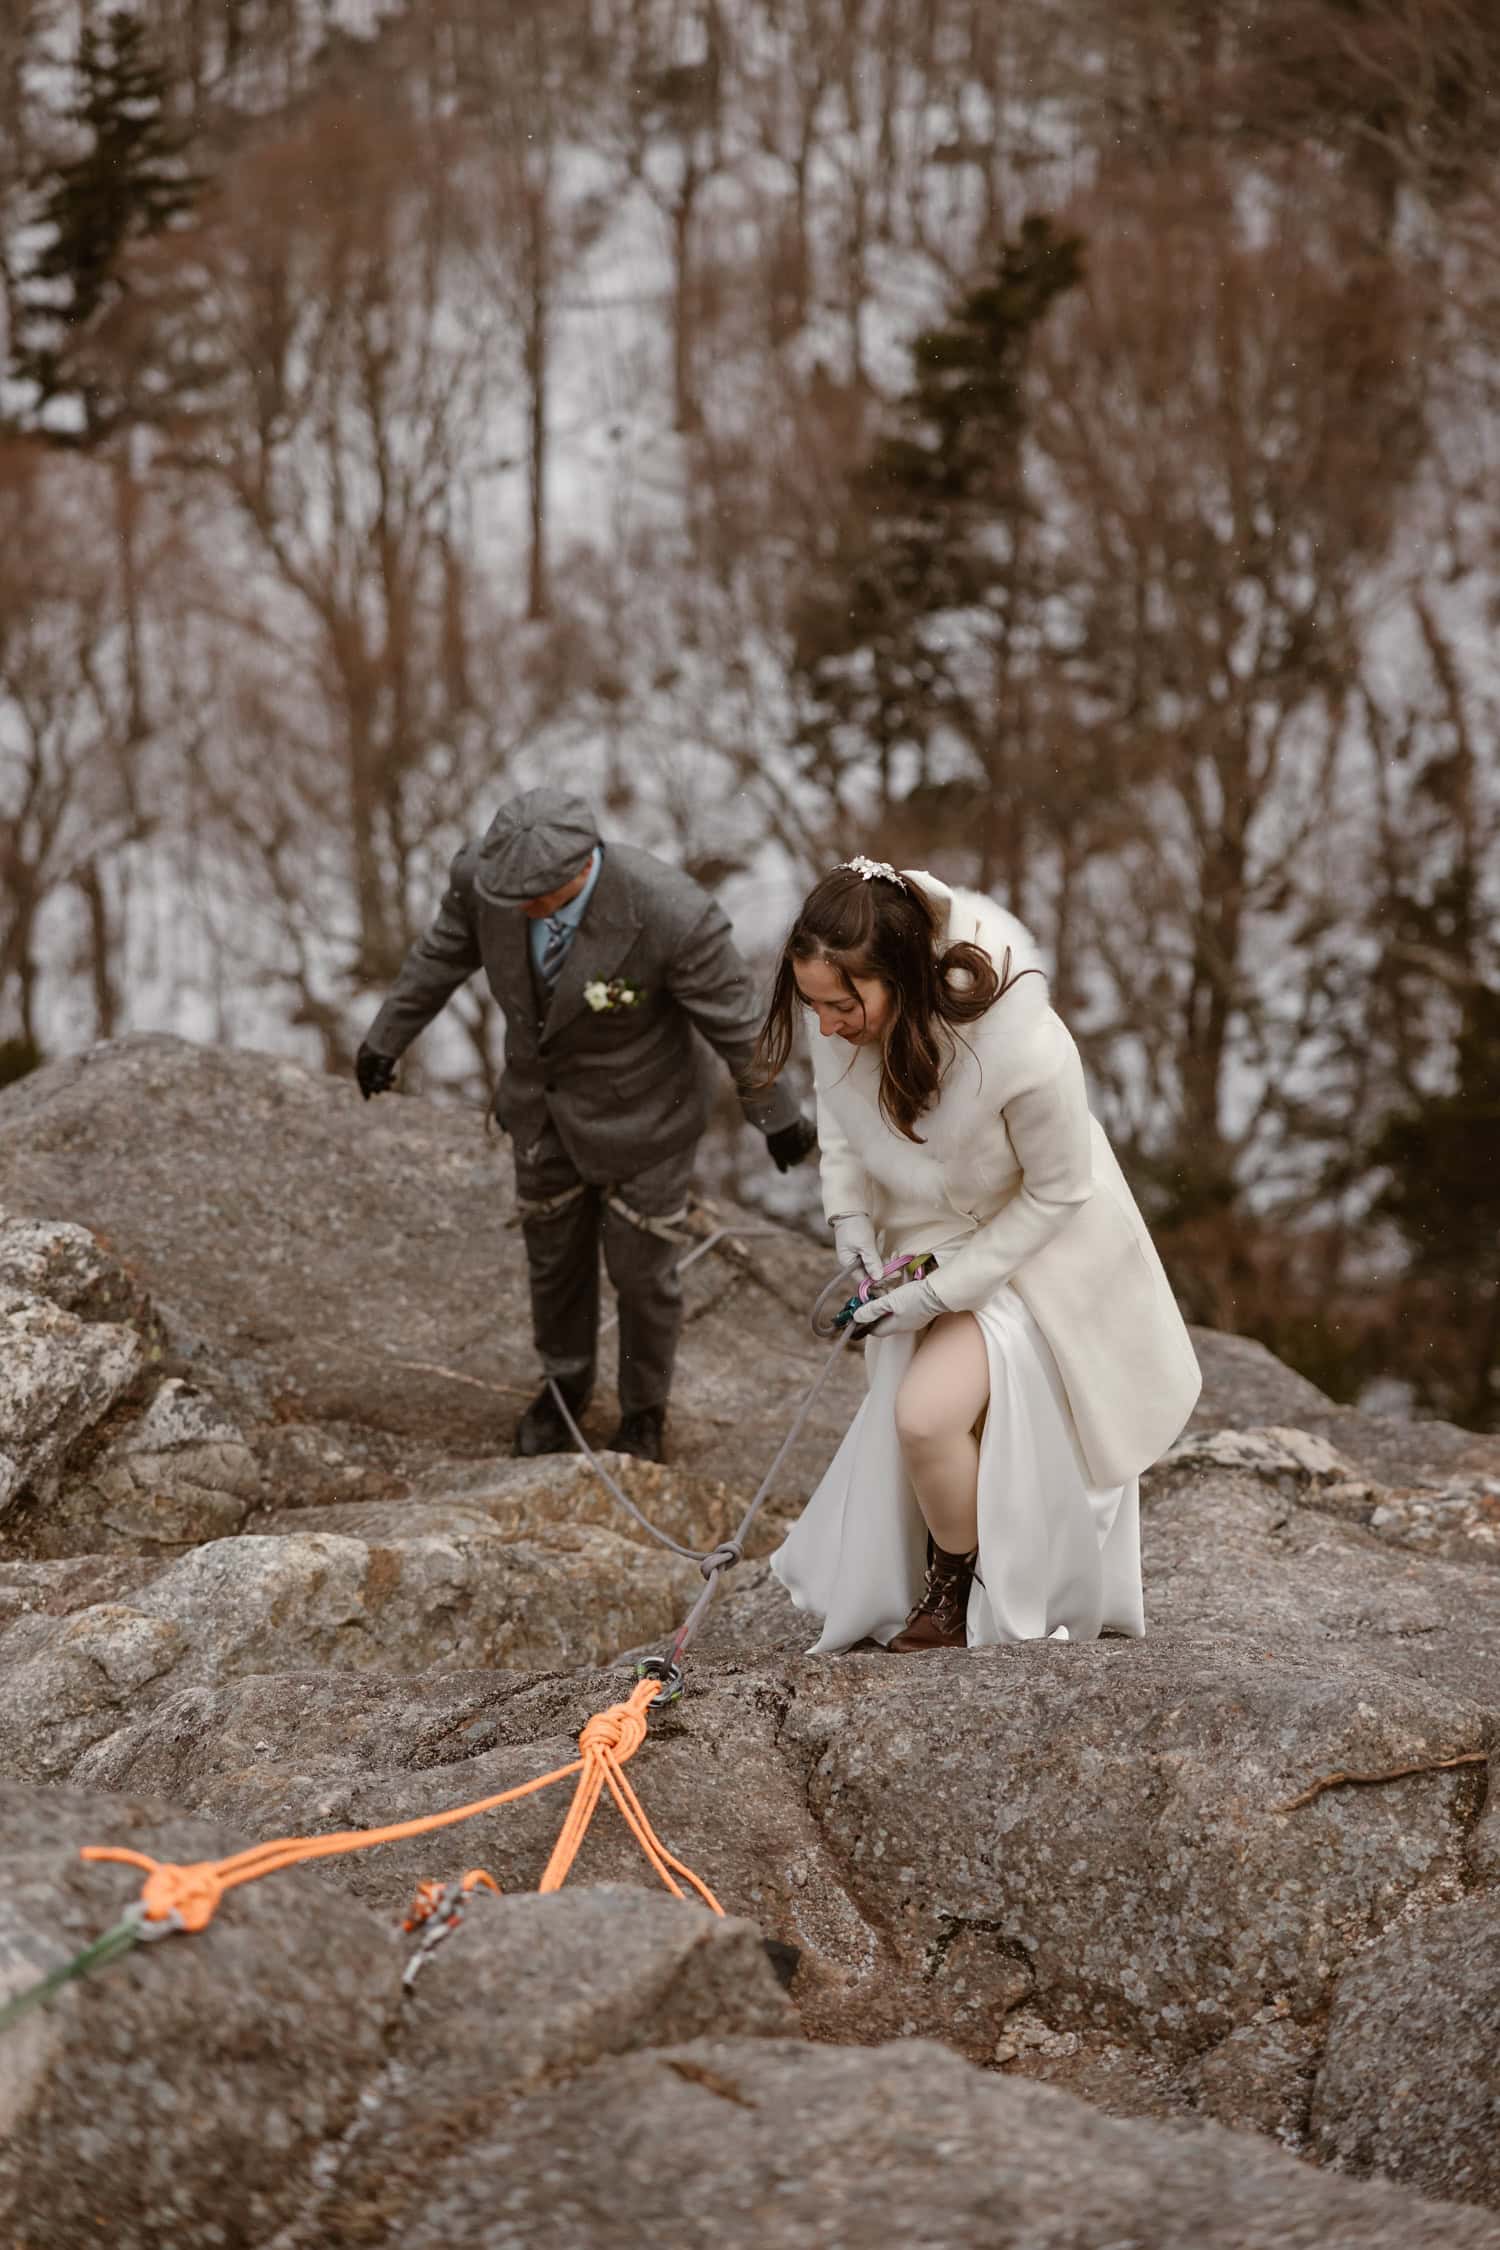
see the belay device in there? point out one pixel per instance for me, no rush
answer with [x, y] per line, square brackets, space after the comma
[853, 1287]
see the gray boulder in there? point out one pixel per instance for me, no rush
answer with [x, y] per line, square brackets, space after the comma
[56, 1589]
[72, 1269]
[355, 1265]
[712, 1774]
[1457, 1518]
[184, 2094]
[310, 1590]
[530, 1991]
[1247, 1387]
[1410, 2078]
[736, 2144]
[524, 1498]
[180, 1474]
[62, 1375]
[251, 1605]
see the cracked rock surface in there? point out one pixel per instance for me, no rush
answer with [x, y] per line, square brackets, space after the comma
[1013, 1935]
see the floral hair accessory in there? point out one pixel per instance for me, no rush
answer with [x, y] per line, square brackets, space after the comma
[868, 869]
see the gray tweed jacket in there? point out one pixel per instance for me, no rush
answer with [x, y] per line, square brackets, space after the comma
[624, 1086]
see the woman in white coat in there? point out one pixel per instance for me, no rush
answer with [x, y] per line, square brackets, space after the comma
[988, 1488]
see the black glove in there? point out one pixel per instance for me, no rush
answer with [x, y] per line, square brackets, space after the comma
[374, 1072]
[791, 1144]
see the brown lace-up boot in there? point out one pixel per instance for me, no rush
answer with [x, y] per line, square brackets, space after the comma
[938, 1619]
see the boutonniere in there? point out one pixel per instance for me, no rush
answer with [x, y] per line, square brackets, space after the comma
[619, 992]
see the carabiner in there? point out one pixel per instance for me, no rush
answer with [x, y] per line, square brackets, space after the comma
[670, 1675]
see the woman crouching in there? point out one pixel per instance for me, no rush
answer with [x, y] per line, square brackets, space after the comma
[988, 1487]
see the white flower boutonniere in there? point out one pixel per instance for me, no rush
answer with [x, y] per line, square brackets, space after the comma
[604, 998]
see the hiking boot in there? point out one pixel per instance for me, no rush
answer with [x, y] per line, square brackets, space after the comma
[938, 1621]
[642, 1433]
[542, 1429]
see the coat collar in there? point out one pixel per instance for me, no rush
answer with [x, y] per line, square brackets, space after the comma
[991, 1052]
[508, 959]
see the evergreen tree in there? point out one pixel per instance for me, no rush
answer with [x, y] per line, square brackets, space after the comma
[127, 183]
[1439, 1146]
[898, 637]
[1443, 1194]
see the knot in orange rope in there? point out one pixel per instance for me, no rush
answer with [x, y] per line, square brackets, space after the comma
[192, 1893]
[187, 1898]
[617, 1732]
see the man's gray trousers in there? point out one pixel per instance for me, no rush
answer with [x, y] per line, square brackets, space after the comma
[564, 1220]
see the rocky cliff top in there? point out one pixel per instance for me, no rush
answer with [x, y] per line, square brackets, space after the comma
[1027, 1945]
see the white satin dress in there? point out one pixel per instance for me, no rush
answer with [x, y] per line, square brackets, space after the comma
[1057, 1558]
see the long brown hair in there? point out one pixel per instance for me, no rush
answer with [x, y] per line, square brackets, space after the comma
[874, 927]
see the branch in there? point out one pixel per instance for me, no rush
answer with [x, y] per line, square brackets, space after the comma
[1396, 1773]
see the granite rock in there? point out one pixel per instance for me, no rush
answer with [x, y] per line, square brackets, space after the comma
[1408, 2084]
[733, 2144]
[185, 2093]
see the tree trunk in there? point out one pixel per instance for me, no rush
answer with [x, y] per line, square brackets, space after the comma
[90, 884]
[1217, 927]
[801, 292]
[127, 507]
[687, 414]
[1064, 997]
[538, 368]
[379, 952]
[1481, 1409]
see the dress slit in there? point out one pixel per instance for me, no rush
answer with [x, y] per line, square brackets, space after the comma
[1057, 1557]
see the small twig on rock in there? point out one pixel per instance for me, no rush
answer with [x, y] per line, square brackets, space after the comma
[1396, 1773]
[710, 2080]
[453, 1375]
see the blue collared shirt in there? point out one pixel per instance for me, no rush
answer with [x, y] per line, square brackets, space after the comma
[567, 917]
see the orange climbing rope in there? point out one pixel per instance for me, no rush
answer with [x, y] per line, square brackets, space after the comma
[187, 1897]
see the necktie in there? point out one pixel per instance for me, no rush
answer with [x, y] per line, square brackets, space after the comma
[558, 937]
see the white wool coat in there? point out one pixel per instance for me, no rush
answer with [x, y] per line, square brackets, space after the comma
[1015, 1182]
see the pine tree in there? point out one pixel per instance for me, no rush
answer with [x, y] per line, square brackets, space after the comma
[1438, 1149]
[897, 638]
[127, 183]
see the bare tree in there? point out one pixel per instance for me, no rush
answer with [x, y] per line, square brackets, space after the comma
[1228, 422]
[530, 91]
[345, 419]
[70, 783]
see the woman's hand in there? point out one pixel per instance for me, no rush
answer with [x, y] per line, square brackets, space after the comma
[915, 1305]
[854, 1244]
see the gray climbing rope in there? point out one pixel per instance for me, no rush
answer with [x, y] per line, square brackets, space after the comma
[712, 1561]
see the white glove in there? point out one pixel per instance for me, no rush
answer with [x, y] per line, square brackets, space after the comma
[854, 1244]
[915, 1305]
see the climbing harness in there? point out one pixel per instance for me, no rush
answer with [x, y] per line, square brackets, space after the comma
[852, 1287]
[666, 1228]
[546, 1206]
[699, 1250]
[185, 1897]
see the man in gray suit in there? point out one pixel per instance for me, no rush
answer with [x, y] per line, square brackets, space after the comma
[607, 963]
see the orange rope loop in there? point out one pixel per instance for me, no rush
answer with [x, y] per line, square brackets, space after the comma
[189, 1895]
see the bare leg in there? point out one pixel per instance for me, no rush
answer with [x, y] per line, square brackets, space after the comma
[942, 1395]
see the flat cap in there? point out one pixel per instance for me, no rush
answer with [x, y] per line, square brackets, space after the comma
[533, 846]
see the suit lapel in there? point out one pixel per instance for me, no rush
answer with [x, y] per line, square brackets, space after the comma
[608, 929]
[508, 959]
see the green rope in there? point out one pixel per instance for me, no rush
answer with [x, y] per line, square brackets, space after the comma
[104, 1949]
